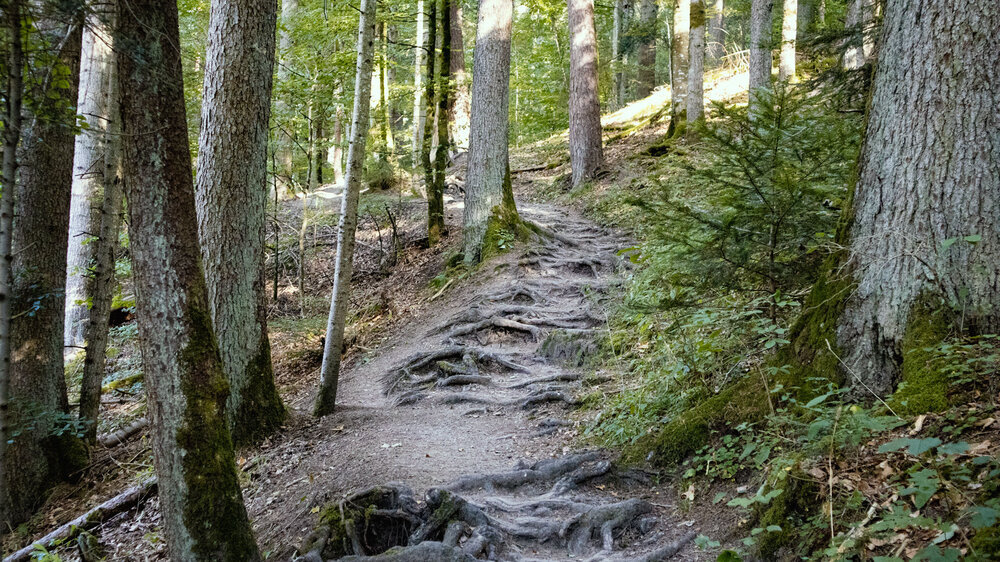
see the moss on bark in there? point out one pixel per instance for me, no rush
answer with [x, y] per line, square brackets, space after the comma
[924, 386]
[250, 426]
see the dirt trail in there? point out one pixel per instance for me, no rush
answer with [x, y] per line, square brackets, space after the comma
[472, 397]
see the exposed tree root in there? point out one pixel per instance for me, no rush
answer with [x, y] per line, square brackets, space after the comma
[502, 323]
[459, 380]
[518, 291]
[422, 552]
[561, 376]
[469, 356]
[541, 471]
[523, 403]
[659, 555]
[602, 522]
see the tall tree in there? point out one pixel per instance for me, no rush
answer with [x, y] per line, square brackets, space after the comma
[283, 151]
[717, 31]
[94, 210]
[789, 26]
[925, 239]
[326, 400]
[231, 197]
[761, 59]
[857, 22]
[622, 15]
[419, 103]
[458, 98]
[13, 95]
[646, 75]
[585, 150]
[37, 457]
[489, 197]
[679, 50]
[696, 73]
[435, 191]
[202, 509]
[430, 109]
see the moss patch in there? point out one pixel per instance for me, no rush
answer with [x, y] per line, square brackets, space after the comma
[257, 411]
[790, 510]
[924, 386]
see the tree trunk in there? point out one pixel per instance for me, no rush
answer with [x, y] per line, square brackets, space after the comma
[585, 151]
[717, 31]
[489, 197]
[419, 107]
[623, 14]
[761, 60]
[789, 26]
[11, 139]
[201, 504]
[388, 141]
[646, 75]
[95, 211]
[925, 228]
[231, 197]
[857, 22]
[330, 371]
[37, 458]
[435, 192]
[336, 154]
[286, 170]
[458, 98]
[430, 109]
[696, 73]
[679, 50]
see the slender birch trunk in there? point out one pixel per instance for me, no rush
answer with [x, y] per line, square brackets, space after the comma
[336, 154]
[585, 149]
[330, 371]
[679, 51]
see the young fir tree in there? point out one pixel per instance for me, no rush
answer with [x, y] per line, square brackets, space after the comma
[203, 515]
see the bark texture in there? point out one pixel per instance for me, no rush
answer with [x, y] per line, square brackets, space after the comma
[857, 22]
[330, 371]
[435, 191]
[696, 72]
[761, 59]
[789, 32]
[716, 48]
[231, 198]
[203, 516]
[419, 107]
[646, 75]
[679, 50]
[459, 97]
[929, 176]
[585, 151]
[37, 458]
[94, 211]
[488, 193]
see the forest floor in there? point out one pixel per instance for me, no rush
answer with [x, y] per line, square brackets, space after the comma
[469, 381]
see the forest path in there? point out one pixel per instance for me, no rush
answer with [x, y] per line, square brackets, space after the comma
[479, 384]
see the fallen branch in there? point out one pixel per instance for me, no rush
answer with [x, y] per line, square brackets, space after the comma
[109, 440]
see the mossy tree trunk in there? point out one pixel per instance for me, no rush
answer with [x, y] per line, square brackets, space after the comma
[646, 74]
[925, 234]
[435, 192]
[586, 153]
[203, 515]
[761, 58]
[489, 197]
[37, 458]
[231, 197]
[696, 73]
[679, 51]
[789, 32]
[326, 399]
[95, 210]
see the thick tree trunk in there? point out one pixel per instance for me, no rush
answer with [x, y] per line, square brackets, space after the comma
[231, 197]
[488, 193]
[585, 151]
[858, 21]
[761, 59]
[679, 50]
[459, 98]
[789, 26]
[925, 227]
[11, 139]
[37, 458]
[286, 170]
[95, 211]
[419, 103]
[435, 192]
[696, 73]
[330, 371]
[646, 75]
[201, 504]
[717, 31]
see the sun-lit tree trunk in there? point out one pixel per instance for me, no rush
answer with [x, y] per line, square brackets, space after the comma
[330, 371]
[458, 98]
[435, 191]
[646, 75]
[285, 142]
[622, 16]
[94, 210]
[858, 21]
[679, 50]
[430, 100]
[336, 154]
[716, 48]
[696, 73]
[385, 112]
[11, 138]
[37, 458]
[201, 505]
[419, 103]
[925, 231]
[789, 26]
[231, 197]
[761, 59]
[585, 150]
[489, 197]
